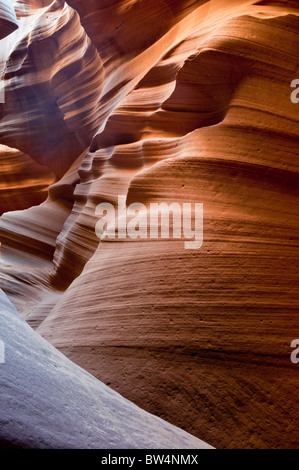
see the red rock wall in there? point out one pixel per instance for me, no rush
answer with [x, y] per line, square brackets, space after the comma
[164, 101]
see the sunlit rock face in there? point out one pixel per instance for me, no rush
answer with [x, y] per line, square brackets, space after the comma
[174, 101]
[23, 182]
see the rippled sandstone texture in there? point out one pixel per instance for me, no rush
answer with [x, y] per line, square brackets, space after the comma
[163, 101]
[70, 408]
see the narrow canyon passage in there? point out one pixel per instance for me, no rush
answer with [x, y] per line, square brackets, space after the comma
[159, 102]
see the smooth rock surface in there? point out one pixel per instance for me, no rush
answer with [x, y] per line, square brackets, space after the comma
[173, 101]
[49, 402]
[8, 19]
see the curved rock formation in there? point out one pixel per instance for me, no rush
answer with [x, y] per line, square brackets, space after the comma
[173, 101]
[23, 182]
[8, 20]
[45, 104]
[52, 403]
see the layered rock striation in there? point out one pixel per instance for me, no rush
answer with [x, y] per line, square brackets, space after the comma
[173, 101]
